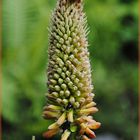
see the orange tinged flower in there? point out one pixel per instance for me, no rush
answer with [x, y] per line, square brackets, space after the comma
[94, 125]
[90, 133]
[83, 129]
[85, 138]
[50, 114]
[50, 133]
[89, 110]
[89, 105]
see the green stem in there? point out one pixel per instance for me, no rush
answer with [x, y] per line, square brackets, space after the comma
[33, 137]
[73, 136]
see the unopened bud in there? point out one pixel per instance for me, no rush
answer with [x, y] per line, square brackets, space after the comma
[67, 93]
[89, 110]
[60, 80]
[89, 105]
[72, 100]
[50, 133]
[57, 88]
[53, 126]
[70, 116]
[65, 102]
[85, 137]
[90, 133]
[65, 135]
[61, 119]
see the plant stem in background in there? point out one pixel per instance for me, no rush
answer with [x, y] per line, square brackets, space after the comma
[70, 90]
[33, 137]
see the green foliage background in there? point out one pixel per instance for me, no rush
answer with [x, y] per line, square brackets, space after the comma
[113, 55]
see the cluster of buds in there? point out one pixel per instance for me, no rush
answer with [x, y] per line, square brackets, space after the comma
[69, 98]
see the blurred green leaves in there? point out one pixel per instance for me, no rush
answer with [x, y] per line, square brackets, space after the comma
[113, 54]
[24, 63]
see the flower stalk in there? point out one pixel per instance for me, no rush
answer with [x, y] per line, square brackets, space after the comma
[70, 90]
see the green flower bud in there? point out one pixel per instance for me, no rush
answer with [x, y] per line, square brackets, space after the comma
[63, 75]
[60, 81]
[64, 69]
[67, 93]
[55, 94]
[78, 93]
[76, 104]
[56, 76]
[72, 100]
[59, 100]
[63, 86]
[65, 57]
[67, 73]
[57, 88]
[61, 93]
[70, 84]
[59, 70]
[53, 81]
[65, 102]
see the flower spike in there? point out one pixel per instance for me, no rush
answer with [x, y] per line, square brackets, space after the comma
[70, 91]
